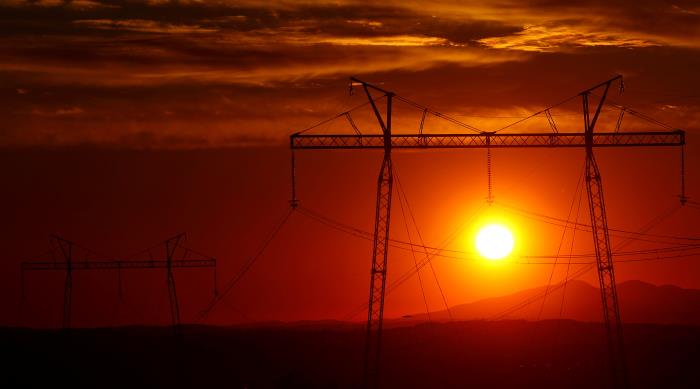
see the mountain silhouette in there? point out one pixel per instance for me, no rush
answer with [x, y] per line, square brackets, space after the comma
[640, 302]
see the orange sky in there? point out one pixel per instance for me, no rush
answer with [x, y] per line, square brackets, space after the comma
[125, 122]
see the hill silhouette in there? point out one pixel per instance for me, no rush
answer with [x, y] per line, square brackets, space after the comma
[640, 302]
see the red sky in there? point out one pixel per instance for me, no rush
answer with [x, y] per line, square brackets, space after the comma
[124, 122]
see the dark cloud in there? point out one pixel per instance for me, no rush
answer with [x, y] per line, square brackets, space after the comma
[204, 74]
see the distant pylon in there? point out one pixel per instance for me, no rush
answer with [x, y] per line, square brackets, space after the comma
[69, 265]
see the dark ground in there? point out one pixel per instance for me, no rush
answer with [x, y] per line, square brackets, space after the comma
[506, 354]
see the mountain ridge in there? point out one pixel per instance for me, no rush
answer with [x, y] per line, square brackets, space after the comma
[640, 302]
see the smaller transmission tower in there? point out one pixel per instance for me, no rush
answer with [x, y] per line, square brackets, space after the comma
[69, 264]
[170, 247]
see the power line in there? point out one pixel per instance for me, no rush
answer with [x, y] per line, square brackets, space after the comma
[415, 260]
[619, 231]
[440, 252]
[420, 237]
[580, 272]
[322, 122]
[561, 241]
[407, 275]
[638, 114]
[571, 250]
[438, 114]
[536, 114]
[246, 267]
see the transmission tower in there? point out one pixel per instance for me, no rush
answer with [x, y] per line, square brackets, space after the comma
[69, 264]
[380, 251]
[601, 241]
[588, 139]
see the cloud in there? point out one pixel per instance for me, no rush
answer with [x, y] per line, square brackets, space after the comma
[542, 38]
[136, 52]
[111, 71]
[69, 111]
[89, 4]
[139, 25]
[396, 40]
[62, 111]
[620, 23]
[71, 4]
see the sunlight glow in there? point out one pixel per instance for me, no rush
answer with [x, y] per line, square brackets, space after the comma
[494, 241]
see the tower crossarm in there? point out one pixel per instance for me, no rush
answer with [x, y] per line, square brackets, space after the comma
[488, 140]
[113, 265]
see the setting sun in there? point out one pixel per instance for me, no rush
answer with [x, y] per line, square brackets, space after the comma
[494, 241]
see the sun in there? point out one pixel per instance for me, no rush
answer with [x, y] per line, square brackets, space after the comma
[494, 241]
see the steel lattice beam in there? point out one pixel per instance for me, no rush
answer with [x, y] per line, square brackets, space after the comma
[488, 140]
[116, 265]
